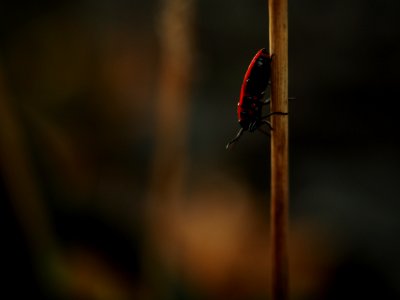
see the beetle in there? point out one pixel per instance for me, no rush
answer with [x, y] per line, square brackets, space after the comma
[255, 82]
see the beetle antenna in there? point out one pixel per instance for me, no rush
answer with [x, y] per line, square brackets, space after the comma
[237, 137]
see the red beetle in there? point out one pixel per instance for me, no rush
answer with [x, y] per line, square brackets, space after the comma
[251, 101]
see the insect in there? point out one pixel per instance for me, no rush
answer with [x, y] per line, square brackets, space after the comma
[252, 93]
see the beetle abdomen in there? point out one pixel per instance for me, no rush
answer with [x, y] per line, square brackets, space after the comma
[253, 87]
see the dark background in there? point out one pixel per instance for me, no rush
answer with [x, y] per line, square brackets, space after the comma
[79, 86]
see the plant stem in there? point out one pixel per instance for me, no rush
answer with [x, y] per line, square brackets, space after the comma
[278, 34]
[172, 108]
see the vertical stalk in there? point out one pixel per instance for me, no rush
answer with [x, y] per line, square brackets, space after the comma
[168, 170]
[278, 34]
[172, 107]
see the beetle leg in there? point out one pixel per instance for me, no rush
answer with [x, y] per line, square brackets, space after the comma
[237, 137]
[266, 101]
[253, 126]
[264, 131]
[274, 113]
[265, 122]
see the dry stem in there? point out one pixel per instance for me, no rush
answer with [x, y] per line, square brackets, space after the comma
[172, 100]
[278, 34]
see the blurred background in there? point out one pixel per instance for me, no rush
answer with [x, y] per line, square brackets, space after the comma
[114, 178]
